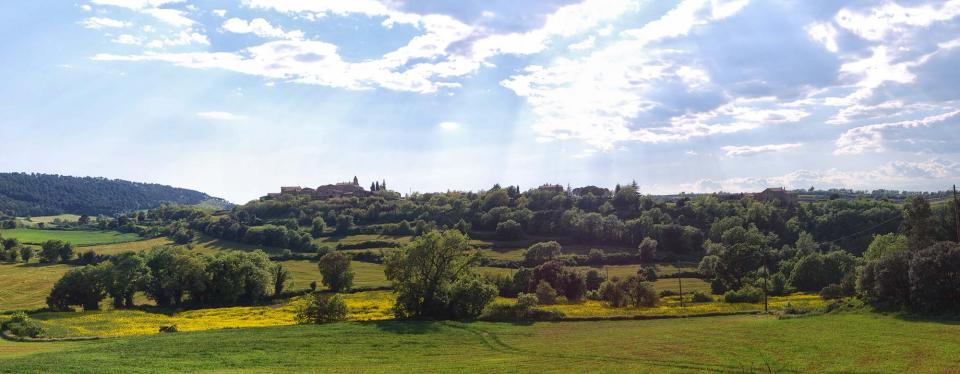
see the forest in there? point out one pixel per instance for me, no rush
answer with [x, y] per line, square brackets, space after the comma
[33, 194]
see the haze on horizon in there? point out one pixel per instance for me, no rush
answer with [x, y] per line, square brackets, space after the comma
[431, 95]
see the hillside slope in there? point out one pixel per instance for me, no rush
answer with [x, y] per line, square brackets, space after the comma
[23, 194]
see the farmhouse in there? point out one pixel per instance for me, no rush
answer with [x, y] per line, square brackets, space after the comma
[771, 194]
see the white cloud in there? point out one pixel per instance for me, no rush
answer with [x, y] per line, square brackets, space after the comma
[128, 39]
[135, 4]
[98, 23]
[871, 138]
[895, 173]
[584, 45]
[171, 16]
[220, 116]
[220, 12]
[747, 150]
[260, 27]
[180, 39]
[891, 18]
[824, 33]
[450, 126]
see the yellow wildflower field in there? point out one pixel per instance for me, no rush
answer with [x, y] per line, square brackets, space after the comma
[361, 306]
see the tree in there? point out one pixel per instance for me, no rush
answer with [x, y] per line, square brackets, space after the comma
[815, 271]
[425, 272]
[83, 220]
[26, 253]
[883, 244]
[648, 250]
[11, 243]
[918, 223]
[509, 230]
[56, 250]
[495, 198]
[319, 308]
[280, 276]
[738, 255]
[123, 277]
[542, 252]
[80, 286]
[935, 278]
[344, 224]
[594, 279]
[319, 226]
[174, 274]
[335, 269]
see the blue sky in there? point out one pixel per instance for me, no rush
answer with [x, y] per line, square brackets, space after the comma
[238, 98]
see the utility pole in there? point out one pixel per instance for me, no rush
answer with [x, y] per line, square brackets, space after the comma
[680, 280]
[956, 211]
[766, 279]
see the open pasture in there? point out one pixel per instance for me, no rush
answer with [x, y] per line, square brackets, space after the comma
[366, 275]
[78, 238]
[849, 342]
[26, 286]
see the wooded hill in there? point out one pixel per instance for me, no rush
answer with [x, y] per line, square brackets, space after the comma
[23, 194]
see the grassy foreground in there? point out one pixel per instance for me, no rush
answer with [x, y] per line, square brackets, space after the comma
[829, 343]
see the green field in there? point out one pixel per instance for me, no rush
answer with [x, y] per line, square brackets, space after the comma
[78, 238]
[366, 275]
[829, 343]
[27, 286]
[50, 219]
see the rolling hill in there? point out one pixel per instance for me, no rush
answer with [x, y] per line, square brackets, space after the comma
[23, 194]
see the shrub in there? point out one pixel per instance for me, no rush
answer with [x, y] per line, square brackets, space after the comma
[666, 293]
[595, 257]
[26, 253]
[335, 269]
[593, 280]
[747, 294]
[631, 291]
[778, 285]
[369, 244]
[647, 274]
[321, 308]
[526, 301]
[515, 312]
[831, 292]
[469, 295]
[648, 250]
[20, 324]
[700, 297]
[546, 295]
[613, 293]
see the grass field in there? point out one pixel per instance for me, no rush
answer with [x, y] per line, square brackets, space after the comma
[827, 343]
[50, 219]
[365, 274]
[25, 287]
[112, 249]
[78, 238]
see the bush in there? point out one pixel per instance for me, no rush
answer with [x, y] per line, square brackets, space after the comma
[631, 291]
[519, 312]
[369, 244]
[546, 295]
[321, 308]
[335, 269]
[647, 274]
[526, 301]
[509, 230]
[648, 250]
[666, 293]
[20, 324]
[831, 292]
[747, 294]
[700, 297]
[469, 295]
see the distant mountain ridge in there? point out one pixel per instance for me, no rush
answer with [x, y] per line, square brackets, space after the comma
[30, 194]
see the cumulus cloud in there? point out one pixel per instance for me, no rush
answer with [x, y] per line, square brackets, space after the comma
[871, 138]
[902, 173]
[98, 23]
[260, 27]
[136, 4]
[748, 150]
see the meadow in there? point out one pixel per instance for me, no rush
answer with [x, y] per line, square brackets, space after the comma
[78, 238]
[26, 286]
[844, 342]
[366, 275]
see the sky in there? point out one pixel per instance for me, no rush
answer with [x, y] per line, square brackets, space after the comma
[236, 98]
